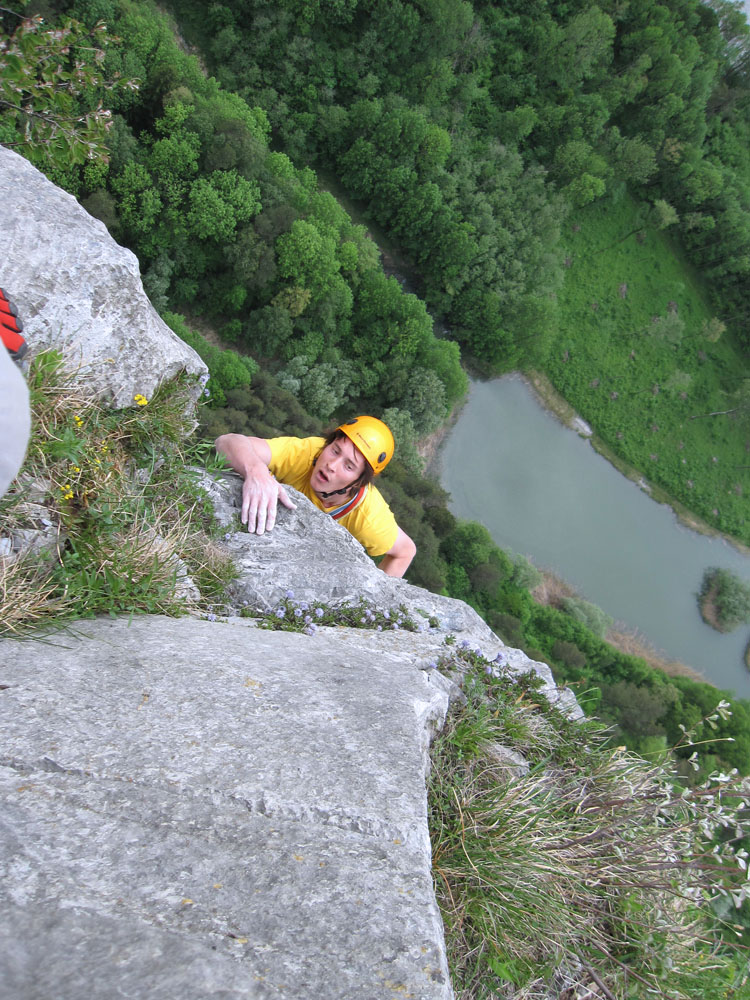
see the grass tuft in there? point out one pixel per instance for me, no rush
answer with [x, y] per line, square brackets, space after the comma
[105, 516]
[584, 862]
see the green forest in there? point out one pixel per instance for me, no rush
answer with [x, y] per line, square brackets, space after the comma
[585, 214]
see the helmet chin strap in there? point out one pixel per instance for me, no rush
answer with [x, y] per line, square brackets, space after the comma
[333, 493]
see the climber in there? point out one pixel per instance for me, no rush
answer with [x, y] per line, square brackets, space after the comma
[15, 418]
[10, 328]
[335, 472]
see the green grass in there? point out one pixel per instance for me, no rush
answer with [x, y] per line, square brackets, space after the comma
[588, 862]
[125, 519]
[639, 391]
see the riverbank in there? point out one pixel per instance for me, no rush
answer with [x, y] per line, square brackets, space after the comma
[551, 400]
[541, 491]
[551, 591]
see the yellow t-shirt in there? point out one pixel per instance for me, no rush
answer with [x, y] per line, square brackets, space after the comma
[371, 523]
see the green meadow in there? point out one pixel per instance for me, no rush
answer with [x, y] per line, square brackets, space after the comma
[637, 356]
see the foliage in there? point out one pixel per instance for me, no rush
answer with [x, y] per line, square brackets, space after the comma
[613, 876]
[292, 615]
[724, 599]
[227, 369]
[49, 79]
[123, 508]
[588, 614]
[635, 357]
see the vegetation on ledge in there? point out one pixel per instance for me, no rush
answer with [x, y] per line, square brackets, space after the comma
[560, 861]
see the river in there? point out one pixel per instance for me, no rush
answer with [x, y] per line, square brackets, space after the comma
[543, 491]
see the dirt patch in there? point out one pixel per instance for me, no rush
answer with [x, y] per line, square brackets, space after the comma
[709, 611]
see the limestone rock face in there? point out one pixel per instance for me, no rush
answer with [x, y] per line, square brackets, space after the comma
[196, 810]
[316, 559]
[78, 291]
[309, 553]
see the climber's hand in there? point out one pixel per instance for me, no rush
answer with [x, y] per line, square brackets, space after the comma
[260, 496]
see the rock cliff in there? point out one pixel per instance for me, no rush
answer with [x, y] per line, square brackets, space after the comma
[203, 808]
[80, 292]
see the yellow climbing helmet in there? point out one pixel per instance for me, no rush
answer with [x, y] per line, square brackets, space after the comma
[373, 438]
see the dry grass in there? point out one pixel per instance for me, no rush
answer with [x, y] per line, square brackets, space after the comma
[30, 595]
[593, 862]
[631, 642]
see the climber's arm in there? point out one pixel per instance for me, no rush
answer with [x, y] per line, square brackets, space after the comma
[250, 456]
[398, 558]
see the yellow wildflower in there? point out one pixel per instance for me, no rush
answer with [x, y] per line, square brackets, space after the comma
[140, 400]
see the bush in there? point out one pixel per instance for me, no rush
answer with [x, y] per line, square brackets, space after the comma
[568, 653]
[525, 575]
[639, 709]
[724, 599]
[587, 614]
[508, 627]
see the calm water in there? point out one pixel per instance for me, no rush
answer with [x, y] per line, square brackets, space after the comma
[543, 491]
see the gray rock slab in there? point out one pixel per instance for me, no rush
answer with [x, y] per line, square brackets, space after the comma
[315, 557]
[196, 809]
[80, 292]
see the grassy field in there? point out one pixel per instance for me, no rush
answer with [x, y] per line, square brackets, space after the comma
[635, 359]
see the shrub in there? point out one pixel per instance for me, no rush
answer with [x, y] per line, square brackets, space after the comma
[525, 575]
[724, 599]
[568, 653]
[639, 709]
[587, 614]
[508, 627]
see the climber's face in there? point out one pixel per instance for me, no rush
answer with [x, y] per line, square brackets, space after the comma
[337, 466]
